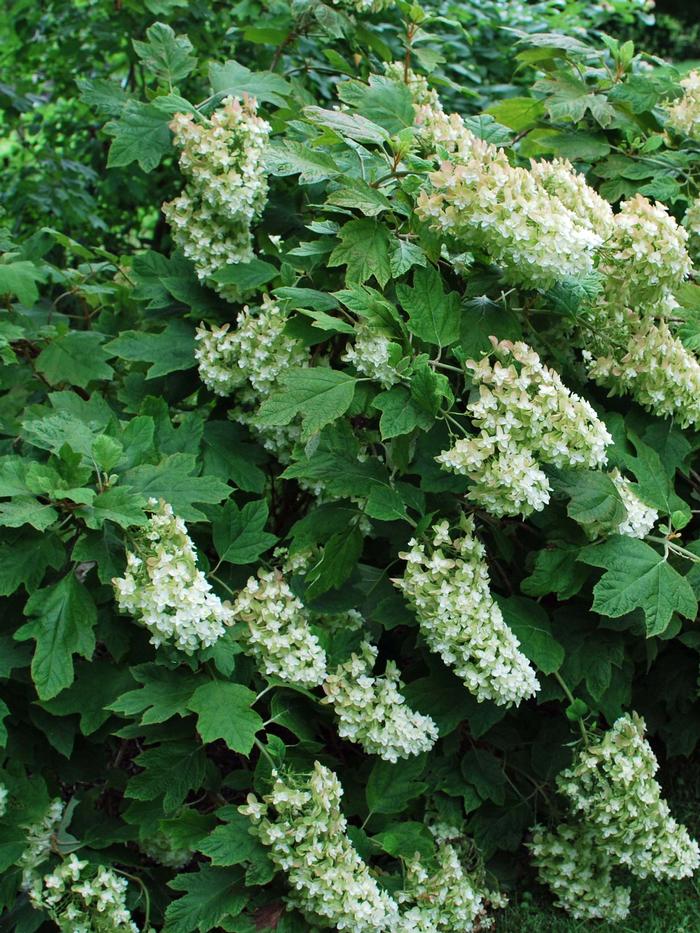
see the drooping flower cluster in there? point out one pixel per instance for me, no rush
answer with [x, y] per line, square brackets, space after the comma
[652, 365]
[83, 899]
[372, 712]
[165, 591]
[445, 898]
[612, 788]
[249, 361]
[447, 584]
[302, 823]
[561, 180]
[478, 198]
[160, 848]
[641, 517]
[684, 113]
[226, 188]
[645, 257]
[278, 634]
[373, 354]
[525, 414]
[39, 840]
[579, 872]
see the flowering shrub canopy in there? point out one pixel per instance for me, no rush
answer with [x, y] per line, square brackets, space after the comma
[348, 481]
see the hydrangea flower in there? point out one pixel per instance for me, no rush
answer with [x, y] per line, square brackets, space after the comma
[373, 354]
[684, 113]
[160, 848]
[641, 517]
[579, 872]
[80, 898]
[39, 842]
[278, 631]
[446, 898]
[526, 415]
[612, 788]
[226, 189]
[447, 584]
[4, 795]
[163, 589]
[478, 198]
[302, 823]
[372, 712]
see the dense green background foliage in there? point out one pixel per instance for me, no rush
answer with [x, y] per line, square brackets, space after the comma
[102, 407]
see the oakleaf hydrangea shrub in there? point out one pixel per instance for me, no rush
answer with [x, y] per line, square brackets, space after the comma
[349, 496]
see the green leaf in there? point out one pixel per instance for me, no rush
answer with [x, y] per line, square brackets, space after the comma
[212, 895]
[20, 278]
[224, 712]
[530, 624]
[404, 840]
[364, 249]
[347, 125]
[593, 497]
[232, 843]
[141, 134]
[637, 577]
[390, 787]
[555, 571]
[164, 693]
[171, 770]
[96, 686]
[247, 275]
[404, 255]
[400, 414]
[369, 201]
[432, 315]
[338, 560]
[172, 350]
[120, 505]
[485, 773]
[517, 113]
[386, 102]
[319, 395]
[227, 455]
[292, 158]
[385, 504]
[171, 480]
[237, 80]
[239, 536]
[166, 55]
[25, 561]
[62, 621]
[25, 510]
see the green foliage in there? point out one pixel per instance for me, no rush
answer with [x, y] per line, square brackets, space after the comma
[331, 468]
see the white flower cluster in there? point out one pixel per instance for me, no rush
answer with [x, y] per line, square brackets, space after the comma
[307, 836]
[645, 256]
[579, 872]
[374, 355]
[652, 365]
[372, 712]
[641, 517]
[560, 179]
[226, 189]
[279, 635]
[4, 795]
[249, 361]
[510, 213]
[165, 591]
[160, 848]
[525, 414]
[39, 840]
[611, 786]
[445, 899]
[257, 352]
[684, 113]
[447, 584]
[84, 902]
